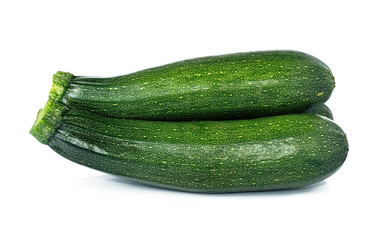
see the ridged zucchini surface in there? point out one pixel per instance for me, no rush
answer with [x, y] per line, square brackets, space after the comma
[232, 86]
[268, 153]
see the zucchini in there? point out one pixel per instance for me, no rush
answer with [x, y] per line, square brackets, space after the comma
[322, 110]
[232, 86]
[268, 153]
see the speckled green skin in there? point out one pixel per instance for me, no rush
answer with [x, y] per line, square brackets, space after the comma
[233, 86]
[268, 153]
[322, 110]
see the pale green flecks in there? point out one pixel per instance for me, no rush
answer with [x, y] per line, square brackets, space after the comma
[149, 136]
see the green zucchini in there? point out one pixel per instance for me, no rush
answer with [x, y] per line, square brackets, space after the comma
[268, 153]
[232, 86]
[322, 110]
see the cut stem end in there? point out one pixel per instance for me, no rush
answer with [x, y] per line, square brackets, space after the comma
[48, 120]
[61, 80]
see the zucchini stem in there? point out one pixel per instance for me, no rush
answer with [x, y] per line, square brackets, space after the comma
[48, 120]
[61, 80]
[50, 117]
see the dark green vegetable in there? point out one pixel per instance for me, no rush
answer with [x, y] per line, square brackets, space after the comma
[268, 153]
[322, 110]
[233, 86]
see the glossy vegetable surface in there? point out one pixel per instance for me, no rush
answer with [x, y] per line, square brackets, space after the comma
[232, 86]
[322, 110]
[268, 153]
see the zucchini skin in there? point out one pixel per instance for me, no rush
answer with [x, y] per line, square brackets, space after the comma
[322, 110]
[269, 153]
[232, 86]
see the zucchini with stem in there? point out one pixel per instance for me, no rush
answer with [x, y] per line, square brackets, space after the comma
[232, 86]
[268, 153]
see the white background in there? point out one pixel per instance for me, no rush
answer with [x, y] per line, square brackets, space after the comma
[44, 196]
